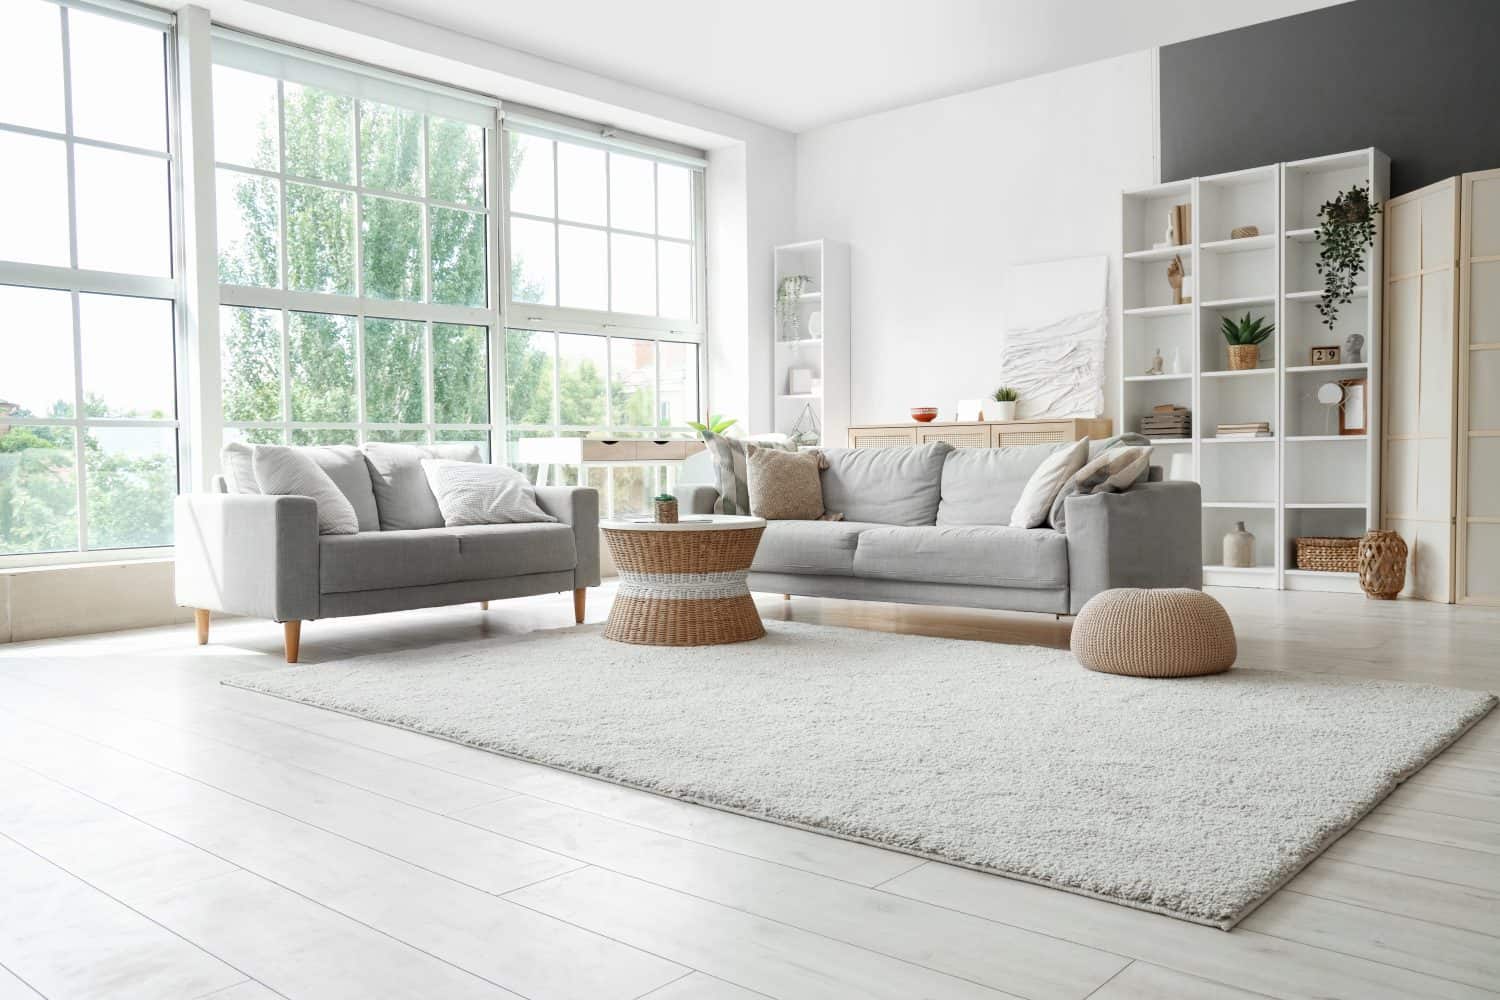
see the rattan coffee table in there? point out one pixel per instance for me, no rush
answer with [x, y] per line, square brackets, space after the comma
[684, 584]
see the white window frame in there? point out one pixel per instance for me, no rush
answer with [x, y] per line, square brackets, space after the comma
[359, 305]
[78, 281]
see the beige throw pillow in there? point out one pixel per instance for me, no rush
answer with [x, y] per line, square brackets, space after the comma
[784, 485]
[1045, 483]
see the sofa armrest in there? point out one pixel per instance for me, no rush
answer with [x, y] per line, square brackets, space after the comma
[248, 554]
[696, 498]
[577, 506]
[1151, 535]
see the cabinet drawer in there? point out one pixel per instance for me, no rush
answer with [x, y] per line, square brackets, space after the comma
[1033, 433]
[882, 437]
[958, 437]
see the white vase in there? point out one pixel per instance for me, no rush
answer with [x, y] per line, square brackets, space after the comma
[1003, 411]
[1239, 546]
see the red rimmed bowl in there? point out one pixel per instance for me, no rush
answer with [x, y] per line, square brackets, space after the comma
[924, 414]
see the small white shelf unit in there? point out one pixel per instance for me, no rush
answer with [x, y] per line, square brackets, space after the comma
[1305, 479]
[818, 347]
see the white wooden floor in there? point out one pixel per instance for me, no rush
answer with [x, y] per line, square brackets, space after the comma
[164, 836]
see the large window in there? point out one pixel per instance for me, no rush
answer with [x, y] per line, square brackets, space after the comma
[354, 264]
[605, 276]
[88, 385]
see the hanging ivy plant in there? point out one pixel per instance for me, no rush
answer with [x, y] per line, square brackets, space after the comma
[1346, 228]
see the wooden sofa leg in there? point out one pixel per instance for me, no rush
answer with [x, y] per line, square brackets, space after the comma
[200, 618]
[484, 605]
[580, 595]
[293, 634]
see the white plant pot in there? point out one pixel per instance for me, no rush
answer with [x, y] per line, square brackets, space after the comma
[1003, 411]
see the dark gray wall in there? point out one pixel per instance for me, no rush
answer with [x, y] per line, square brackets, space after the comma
[1418, 79]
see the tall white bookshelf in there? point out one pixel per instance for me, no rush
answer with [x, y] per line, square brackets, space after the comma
[816, 347]
[1306, 479]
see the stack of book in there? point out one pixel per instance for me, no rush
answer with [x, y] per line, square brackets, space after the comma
[1168, 421]
[1249, 429]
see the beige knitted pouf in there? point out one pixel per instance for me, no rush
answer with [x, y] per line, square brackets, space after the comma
[1154, 633]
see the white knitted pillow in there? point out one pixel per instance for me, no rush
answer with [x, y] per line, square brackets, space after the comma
[283, 471]
[1045, 483]
[475, 493]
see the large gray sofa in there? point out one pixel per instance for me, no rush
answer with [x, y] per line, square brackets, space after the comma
[928, 525]
[249, 554]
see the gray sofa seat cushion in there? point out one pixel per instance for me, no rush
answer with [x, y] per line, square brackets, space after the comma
[817, 548]
[980, 556]
[885, 485]
[402, 495]
[982, 485]
[383, 560]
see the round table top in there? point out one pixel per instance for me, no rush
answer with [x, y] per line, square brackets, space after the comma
[688, 522]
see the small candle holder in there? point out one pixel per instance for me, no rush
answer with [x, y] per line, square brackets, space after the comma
[664, 509]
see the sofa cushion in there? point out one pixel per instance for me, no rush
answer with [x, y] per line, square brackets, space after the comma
[283, 471]
[402, 496]
[816, 548]
[982, 485]
[382, 560]
[235, 460]
[885, 485]
[981, 556]
[785, 485]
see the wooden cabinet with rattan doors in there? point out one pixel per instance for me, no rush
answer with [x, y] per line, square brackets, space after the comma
[981, 433]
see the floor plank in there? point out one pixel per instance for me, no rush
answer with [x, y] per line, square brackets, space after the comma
[1455, 831]
[1143, 981]
[759, 954]
[12, 988]
[1409, 895]
[1475, 869]
[697, 986]
[1446, 802]
[1006, 958]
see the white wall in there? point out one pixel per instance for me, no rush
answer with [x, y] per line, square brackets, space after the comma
[936, 199]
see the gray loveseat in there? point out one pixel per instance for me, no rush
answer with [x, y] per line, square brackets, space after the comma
[244, 553]
[928, 525]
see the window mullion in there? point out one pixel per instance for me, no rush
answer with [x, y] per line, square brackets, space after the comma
[67, 75]
[609, 240]
[80, 478]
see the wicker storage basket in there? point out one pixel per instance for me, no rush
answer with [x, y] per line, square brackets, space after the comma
[1331, 555]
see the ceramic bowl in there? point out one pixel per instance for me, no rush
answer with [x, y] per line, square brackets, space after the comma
[923, 414]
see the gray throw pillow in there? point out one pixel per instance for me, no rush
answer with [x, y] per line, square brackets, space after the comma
[283, 471]
[402, 495]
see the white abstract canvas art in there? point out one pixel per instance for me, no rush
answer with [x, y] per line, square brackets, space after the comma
[1056, 318]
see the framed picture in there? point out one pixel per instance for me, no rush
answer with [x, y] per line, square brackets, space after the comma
[970, 410]
[1325, 355]
[1354, 415]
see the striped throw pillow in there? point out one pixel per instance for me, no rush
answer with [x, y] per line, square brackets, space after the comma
[731, 470]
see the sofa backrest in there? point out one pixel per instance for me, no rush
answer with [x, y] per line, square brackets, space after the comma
[344, 464]
[402, 495]
[885, 485]
[982, 485]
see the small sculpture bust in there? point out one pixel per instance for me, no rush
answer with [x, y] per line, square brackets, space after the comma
[1353, 345]
[1157, 364]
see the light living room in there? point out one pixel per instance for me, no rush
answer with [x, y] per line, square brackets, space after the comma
[599, 501]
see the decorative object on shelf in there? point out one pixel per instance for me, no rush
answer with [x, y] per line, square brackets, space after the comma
[1246, 429]
[817, 385]
[664, 509]
[1239, 547]
[789, 292]
[1005, 403]
[815, 325]
[1189, 288]
[1328, 355]
[1331, 395]
[1179, 226]
[1346, 228]
[1354, 346]
[718, 423]
[1244, 232]
[1175, 271]
[924, 414]
[1168, 421]
[1382, 564]
[1354, 414]
[799, 381]
[1158, 366]
[1175, 366]
[807, 430]
[970, 410]
[1327, 555]
[1244, 337]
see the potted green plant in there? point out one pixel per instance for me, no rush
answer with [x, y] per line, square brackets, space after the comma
[718, 423]
[789, 291]
[1005, 403]
[1244, 337]
[1346, 228]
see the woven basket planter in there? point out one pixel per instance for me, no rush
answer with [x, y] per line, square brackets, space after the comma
[1243, 357]
[1329, 555]
[1382, 564]
[664, 511]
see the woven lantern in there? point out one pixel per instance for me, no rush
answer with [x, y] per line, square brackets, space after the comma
[1382, 564]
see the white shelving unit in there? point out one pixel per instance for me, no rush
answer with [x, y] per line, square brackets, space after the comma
[824, 356]
[1302, 480]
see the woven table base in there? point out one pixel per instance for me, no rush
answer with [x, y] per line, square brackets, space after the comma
[652, 621]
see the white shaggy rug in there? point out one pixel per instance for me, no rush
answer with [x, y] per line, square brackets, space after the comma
[1195, 797]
